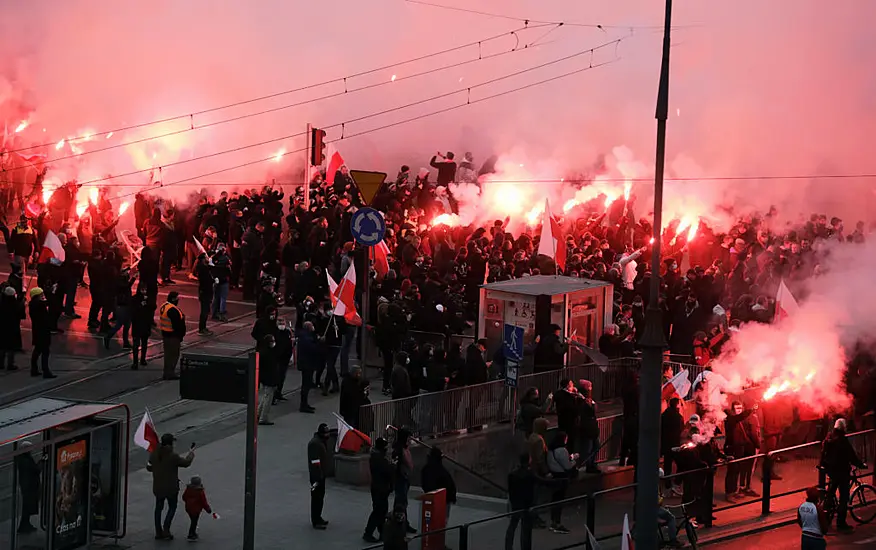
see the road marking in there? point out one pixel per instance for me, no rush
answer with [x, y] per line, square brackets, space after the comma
[866, 541]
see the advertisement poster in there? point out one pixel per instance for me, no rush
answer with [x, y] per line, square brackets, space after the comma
[104, 479]
[71, 494]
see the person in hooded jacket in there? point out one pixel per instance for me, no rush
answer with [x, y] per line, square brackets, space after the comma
[531, 408]
[41, 327]
[309, 359]
[382, 473]
[838, 457]
[164, 464]
[142, 315]
[435, 476]
[11, 314]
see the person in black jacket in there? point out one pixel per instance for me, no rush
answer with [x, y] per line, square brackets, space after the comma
[97, 287]
[285, 349]
[268, 376]
[11, 314]
[381, 487]
[122, 315]
[435, 476]
[671, 426]
[309, 359]
[41, 328]
[222, 276]
[148, 270]
[142, 314]
[354, 394]
[206, 282]
[446, 168]
[522, 483]
[837, 458]
[550, 350]
[317, 462]
[29, 483]
[567, 402]
[589, 426]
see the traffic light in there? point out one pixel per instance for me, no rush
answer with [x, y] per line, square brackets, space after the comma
[317, 147]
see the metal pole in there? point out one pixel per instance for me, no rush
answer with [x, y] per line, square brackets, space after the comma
[366, 311]
[307, 137]
[249, 496]
[653, 340]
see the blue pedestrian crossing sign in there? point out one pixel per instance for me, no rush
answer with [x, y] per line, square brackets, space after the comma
[368, 226]
[512, 342]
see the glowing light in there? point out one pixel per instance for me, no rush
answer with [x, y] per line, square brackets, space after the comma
[775, 389]
[392, 79]
[651, 241]
[124, 207]
[60, 144]
[93, 195]
[109, 135]
[450, 220]
[24, 124]
[279, 156]
[570, 204]
[521, 166]
[628, 186]
[87, 136]
[532, 217]
[80, 209]
[692, 232]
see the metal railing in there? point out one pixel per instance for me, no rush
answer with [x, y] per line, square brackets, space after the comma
[603, 511]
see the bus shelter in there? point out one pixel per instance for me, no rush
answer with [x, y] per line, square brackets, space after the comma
[580, 307]
[63, 473]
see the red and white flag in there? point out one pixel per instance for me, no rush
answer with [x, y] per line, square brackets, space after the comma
[552, 243]
[146, 437]
[335, 161]
[343, 296]
[627, 538]
[349, 438]
[677, 386]
[52, 248]
[381, 259]
[786, 305]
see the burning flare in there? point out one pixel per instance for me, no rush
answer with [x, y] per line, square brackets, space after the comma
[24, 124]
[124, 207]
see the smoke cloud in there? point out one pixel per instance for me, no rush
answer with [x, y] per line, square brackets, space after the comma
[757, 88]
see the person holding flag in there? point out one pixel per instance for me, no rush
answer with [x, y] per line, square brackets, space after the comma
[164, 464]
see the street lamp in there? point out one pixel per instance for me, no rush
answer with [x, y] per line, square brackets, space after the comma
[653, 340]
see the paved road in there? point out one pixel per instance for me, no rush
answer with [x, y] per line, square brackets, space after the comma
[788, 538]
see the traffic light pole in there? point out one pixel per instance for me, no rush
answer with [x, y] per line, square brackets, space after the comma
[653, 340]
[307, 167]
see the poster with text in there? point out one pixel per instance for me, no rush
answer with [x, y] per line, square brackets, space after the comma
[71, 494]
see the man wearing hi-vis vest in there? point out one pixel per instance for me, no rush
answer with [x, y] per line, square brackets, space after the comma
[172, 322]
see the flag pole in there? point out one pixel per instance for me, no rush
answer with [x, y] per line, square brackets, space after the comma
[340, 290]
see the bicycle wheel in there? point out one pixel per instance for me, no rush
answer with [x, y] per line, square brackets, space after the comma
[691, 533]
[862, 503]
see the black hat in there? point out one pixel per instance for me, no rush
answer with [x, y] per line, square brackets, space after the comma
[167, 439]
[380, 444]
[322, 429]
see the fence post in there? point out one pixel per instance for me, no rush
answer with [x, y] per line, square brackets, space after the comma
[767, 484]
[591, 517]
[710, 496]
[463, 537]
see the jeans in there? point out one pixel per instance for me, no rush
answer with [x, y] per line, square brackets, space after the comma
[42, 352]
[379, 510]
[164, 527]
[123, 320]
[524, 518]
[331, 374]
[140, 345]
[665, 516]
[193, 525]
[589, 448]
[843, 486]
[171, 355]
[70, 296]
[266, 399]
[812, 543]
[220, 295]
[306, 386]
[205, 312]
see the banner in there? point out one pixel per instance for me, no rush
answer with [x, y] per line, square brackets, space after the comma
[105, 492]
[71, 494]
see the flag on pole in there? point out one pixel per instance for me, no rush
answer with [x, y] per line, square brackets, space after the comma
[349, 438]
[146, 437]
[627, 538]
[381, 259]
[52, 248]
[552, 243]
[343, 296]
[677, 386]
[199, 245]
[335, 161]
[594, 545]
[786, 305]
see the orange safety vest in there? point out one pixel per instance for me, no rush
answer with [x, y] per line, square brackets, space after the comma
[164, 321]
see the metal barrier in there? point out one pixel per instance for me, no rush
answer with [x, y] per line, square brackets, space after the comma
[603, 511]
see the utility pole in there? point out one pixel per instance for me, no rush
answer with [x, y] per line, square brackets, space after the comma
[307, 138]
[653, 340]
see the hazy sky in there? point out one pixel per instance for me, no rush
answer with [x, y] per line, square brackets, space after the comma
[775, 87]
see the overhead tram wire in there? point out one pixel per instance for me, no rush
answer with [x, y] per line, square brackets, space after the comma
[364, 132]
[343, 79]
[465, 89]
[516, 48]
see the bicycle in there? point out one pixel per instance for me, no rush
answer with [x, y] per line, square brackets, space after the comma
[685, 522]
[862, 500]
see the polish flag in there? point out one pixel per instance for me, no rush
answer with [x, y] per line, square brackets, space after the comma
[342, 296]
[146, 437]
[627, 538]
[677, 386]
[381, 259]
[335, 161]
[349, 438]
[786, 305]
[52, 248]
[552, 243]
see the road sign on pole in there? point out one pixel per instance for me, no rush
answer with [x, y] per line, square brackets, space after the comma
[512, 342]
[368, 226]
[511, 374]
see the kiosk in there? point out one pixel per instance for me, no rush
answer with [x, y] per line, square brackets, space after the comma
[63, 473]
[580, 307]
